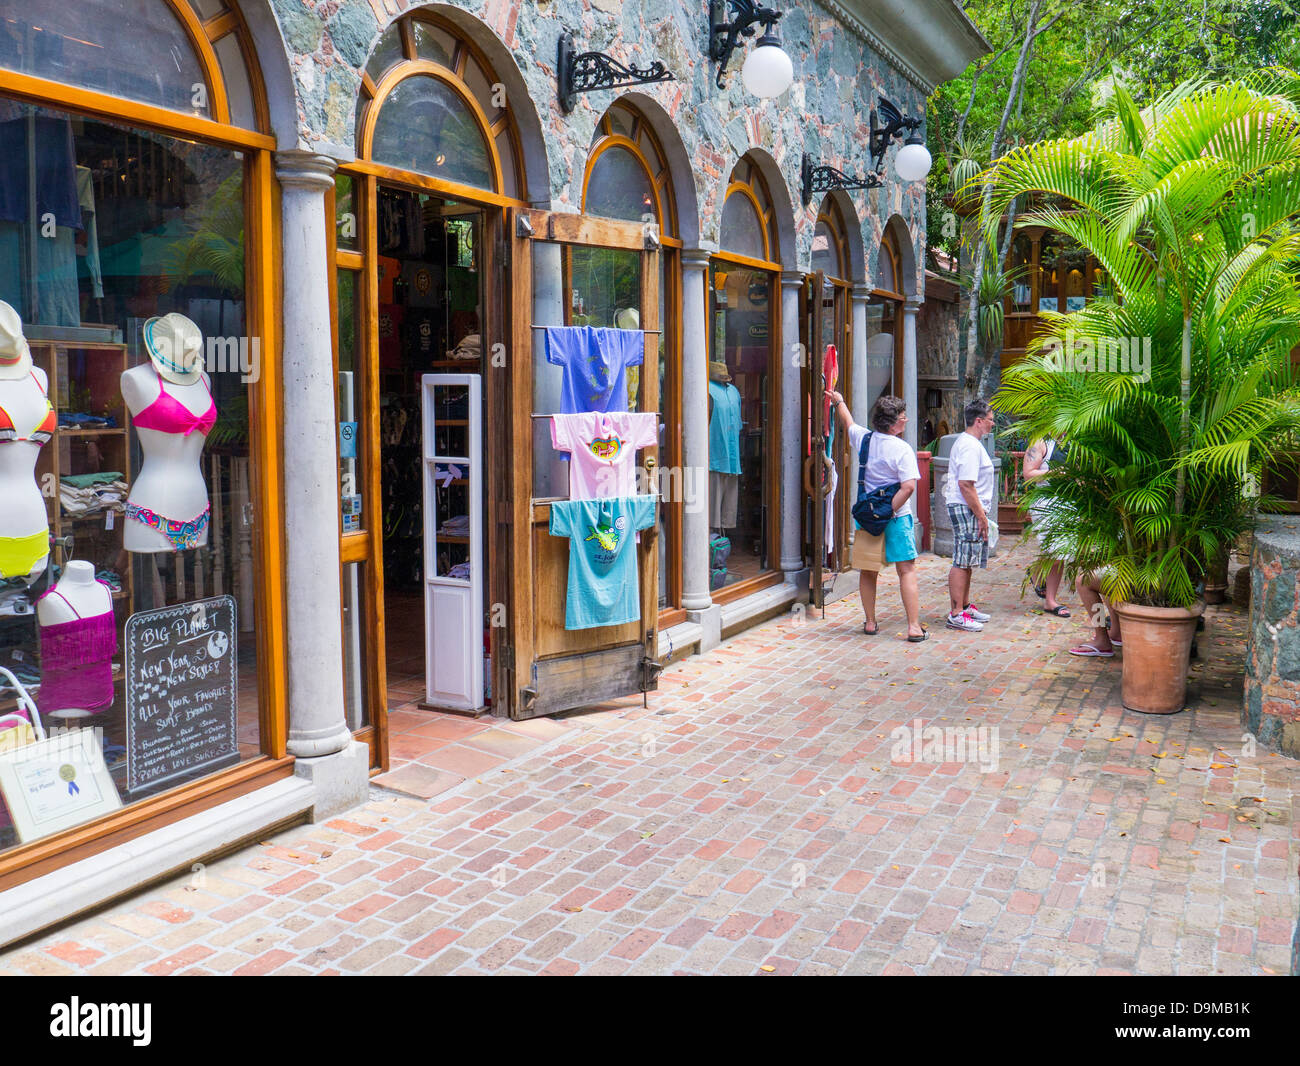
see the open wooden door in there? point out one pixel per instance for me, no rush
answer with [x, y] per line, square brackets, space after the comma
[815, 471]
[571, 270]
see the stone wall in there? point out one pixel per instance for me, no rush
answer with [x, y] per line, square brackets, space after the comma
[838, 79]
[1272, 689]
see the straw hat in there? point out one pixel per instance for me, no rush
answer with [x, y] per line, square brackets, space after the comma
[718, 372]
[175, 342]
[13, 345]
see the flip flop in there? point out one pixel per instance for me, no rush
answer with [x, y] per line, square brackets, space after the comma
[917, 640]
[1040, 591]
[1089, 652]
[1057, 612]
[871, 632]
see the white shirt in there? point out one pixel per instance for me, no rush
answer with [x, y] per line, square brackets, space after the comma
[968, 461]
[889, 459]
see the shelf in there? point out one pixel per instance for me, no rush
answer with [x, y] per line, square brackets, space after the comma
[97, 517]
[107, 431]
[451, 538]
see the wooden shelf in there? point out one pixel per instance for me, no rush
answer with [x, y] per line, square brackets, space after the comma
[106, 431]
[451, 538]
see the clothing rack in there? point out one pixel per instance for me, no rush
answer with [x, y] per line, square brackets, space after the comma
[654, 332]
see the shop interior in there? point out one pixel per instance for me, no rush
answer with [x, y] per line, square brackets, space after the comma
[102, 230]
[739, 364]
[430, 322]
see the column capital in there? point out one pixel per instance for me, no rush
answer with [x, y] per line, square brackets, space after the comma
[791, 278]
[911, 305]
[861, 292]
[305, 169]
[695, 258]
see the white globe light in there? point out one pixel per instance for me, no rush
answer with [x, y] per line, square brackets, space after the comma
[768, 71]
[912, 162]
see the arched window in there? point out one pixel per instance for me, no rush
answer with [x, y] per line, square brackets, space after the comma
[830, 248]
[189, 57]
[889, 265]
[748, 226]
[627, 173]
[430, 105]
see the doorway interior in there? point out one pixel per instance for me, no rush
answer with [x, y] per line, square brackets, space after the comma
[430, 270]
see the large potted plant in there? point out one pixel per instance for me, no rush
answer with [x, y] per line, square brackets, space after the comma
[1174, 384]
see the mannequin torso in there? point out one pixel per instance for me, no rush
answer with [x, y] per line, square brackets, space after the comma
[23, 514]
[170, 482]
[77, 595]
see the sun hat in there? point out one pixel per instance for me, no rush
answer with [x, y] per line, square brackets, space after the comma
[174, 341]
[13, 345]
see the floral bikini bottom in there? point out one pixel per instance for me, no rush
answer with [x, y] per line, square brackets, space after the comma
[182, 535]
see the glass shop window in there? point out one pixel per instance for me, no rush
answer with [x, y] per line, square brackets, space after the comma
[740, 421]
[129, 536]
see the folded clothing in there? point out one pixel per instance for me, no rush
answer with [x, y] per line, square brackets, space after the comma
[85, 481]
[470, 347]
[74, 420]
[459, 572]
[93, 498]
[456, 527]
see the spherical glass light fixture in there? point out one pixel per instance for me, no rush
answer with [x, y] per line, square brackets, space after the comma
[767, 72]
[913, 160]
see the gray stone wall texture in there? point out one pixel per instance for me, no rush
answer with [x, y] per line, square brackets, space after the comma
[1272, 688]
[838, 79]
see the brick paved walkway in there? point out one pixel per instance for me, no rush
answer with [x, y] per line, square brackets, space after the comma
[751, 820]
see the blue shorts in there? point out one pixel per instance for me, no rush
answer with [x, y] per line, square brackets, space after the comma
[900, 541]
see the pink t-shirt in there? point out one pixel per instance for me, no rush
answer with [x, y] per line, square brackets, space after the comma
[602, 447]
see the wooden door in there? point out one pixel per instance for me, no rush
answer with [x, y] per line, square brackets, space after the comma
[570, 270]
[816, 474]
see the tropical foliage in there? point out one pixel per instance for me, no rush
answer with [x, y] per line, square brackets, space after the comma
[1176, 386]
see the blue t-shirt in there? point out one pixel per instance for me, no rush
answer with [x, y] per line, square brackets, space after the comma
[724, 429]
[603, 587]
[593, 358]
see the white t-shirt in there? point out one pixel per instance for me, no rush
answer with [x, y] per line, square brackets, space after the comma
[968, 461]
[889, 459]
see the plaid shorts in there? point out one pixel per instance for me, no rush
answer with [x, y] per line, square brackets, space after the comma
[968, 550]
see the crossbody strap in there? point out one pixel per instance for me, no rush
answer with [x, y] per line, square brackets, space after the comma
[863, 451]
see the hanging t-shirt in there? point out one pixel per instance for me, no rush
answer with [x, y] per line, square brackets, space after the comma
[603, 589]
[603, 450]
[594, 359]
[724, 429]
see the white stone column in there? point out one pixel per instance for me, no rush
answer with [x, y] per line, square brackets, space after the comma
[319, 736]
[858, 373]
[792, 501]
[909, 371]
[695, 432]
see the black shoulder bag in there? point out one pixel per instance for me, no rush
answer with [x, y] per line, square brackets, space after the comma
[874, 509]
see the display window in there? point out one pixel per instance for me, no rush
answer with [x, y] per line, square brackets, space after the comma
[884, 326]
[628, 177]
[744, 327]
[139, 608]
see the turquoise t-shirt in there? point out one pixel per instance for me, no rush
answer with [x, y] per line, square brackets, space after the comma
[603, 587]
[724, 429]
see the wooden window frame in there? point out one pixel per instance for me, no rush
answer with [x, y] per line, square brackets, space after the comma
[262, 295]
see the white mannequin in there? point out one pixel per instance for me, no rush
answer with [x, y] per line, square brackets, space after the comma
[82, 596]
[23, 513]
[170, 481]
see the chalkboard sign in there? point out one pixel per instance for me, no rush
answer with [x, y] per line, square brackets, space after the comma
[180, 692]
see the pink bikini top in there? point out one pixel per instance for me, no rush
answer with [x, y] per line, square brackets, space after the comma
[168, 415]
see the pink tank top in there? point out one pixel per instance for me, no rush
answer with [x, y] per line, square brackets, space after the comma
[76, 666]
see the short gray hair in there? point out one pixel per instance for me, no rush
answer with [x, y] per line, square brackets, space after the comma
[887, 411]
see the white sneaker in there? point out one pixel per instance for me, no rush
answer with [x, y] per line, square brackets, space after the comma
[976, 613]
[963, 621]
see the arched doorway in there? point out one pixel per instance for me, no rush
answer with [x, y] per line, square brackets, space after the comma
[744, 329]
[628, 177]
[136, 250]
[420, 298]
[885, 323]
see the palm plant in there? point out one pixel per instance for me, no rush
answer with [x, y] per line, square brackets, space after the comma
[1190, 207]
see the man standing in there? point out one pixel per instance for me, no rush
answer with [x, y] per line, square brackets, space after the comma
[969, 497]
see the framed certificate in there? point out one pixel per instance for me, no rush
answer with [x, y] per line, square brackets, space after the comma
[56, 783]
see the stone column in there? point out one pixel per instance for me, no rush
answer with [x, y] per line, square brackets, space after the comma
[910, 308]
[792, 500]
[858, 377]
[319, 736]
[696, 597]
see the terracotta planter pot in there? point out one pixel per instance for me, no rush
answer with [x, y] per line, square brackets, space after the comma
[1157, 651]
[1011, 519]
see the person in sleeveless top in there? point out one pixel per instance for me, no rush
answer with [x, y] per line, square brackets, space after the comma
[1036, 464]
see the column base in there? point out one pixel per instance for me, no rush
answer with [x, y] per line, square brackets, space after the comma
[340, 781]
[710, 622]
